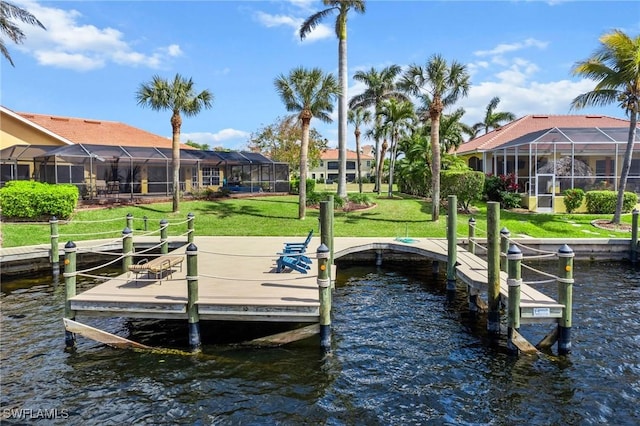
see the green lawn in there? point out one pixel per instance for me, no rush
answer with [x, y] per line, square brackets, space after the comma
[277, 216]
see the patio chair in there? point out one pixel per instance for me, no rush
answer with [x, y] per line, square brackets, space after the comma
[293, 262]
[298, 248]
[157, 266]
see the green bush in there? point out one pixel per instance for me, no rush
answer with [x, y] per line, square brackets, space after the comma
[510, 200]
[357, 198]
[35, 200]
[314, 198]
[573, 199]
[467, 185]
[295, 186]
[604, 202]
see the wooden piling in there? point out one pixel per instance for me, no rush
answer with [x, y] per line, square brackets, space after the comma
[324, 288]
[504, 247]
[192, 298]
[146, 223]
[493, 267]
[190, 227]
[514, 281]
[54, 255]
[70, 252]
[472, 236]
[634, 236]
[127, 249]
[129, 223]
[565, 297]
[164, 229]
[452, 245]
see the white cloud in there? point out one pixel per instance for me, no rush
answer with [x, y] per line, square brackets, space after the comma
[322, 31]
[229, 138]
[69, 43]
[512, 47]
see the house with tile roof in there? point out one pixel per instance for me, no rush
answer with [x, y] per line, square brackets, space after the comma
[111, 158]
[327, 169]
[551, 153]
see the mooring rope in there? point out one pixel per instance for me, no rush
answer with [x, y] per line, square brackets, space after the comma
[545, 274]
[538, 282]
[150, 248]
[111, 262]
[92, 221]
[531, 248]
[88, 233]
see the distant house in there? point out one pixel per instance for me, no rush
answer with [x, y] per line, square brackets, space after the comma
[328, 168]
[110, 157]
[551, 153]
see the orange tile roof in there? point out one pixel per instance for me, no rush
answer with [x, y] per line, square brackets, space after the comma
[98, 132]
[533, 123]
[332, 154]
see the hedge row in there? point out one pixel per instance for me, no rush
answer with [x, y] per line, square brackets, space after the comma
[34, 200]
[604, 202]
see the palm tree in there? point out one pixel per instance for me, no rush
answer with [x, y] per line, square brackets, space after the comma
[358, 117]
[397, 118]
[493, 119]
[9, 12]
[308, 93]
[342, 7]
[615, 65]
[381, 85]
[440, 85]
[179, 97]
[452, 130]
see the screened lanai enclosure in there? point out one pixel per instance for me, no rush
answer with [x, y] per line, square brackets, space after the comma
[104, 170]
[550, 161]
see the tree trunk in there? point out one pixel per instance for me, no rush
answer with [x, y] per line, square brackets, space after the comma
[383, 151]
[378, 180]
[435, 111]
[342, 117]
[357, 135]
[304, 149]
[176, 123]
[626, 165]
[392, 162]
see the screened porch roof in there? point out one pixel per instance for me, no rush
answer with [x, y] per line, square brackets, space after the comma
[81, 152]
[576, 139]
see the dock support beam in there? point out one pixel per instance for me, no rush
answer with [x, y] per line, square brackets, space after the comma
[452, 245]
[192, 298]
[127, 249]
[164, 247]
[493, 267]
[565, 297]
[190, 227]
[54, 253]
[129, 223]
[634, 236]
[504, 247]
[514, 281]
[70, 252]
[324, 287]
[472, 236]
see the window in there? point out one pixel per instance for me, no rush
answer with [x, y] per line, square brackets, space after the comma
[351, 165]
[332, 165]
[210, 176]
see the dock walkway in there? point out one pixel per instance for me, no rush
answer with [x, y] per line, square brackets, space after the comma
[237, 281]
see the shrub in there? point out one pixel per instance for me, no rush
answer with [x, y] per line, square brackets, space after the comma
[35, 200]
[357, 198]
[510, 200]
[295, 186]
[604, 202]
[467, 185]
[314, 198]
[573, 199]
[495, 184]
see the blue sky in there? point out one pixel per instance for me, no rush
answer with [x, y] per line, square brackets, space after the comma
[95, 54]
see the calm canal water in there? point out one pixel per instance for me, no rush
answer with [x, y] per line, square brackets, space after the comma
[401, 355]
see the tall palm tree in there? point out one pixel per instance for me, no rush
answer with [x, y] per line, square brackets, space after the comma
[179, 97]
[308, 93]
[452, 130]
[342, 7]
[359, 116]
[615, 65]
[440, 85]
[381, 85]
[8, 13]
[493, 119]
[397, 117]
